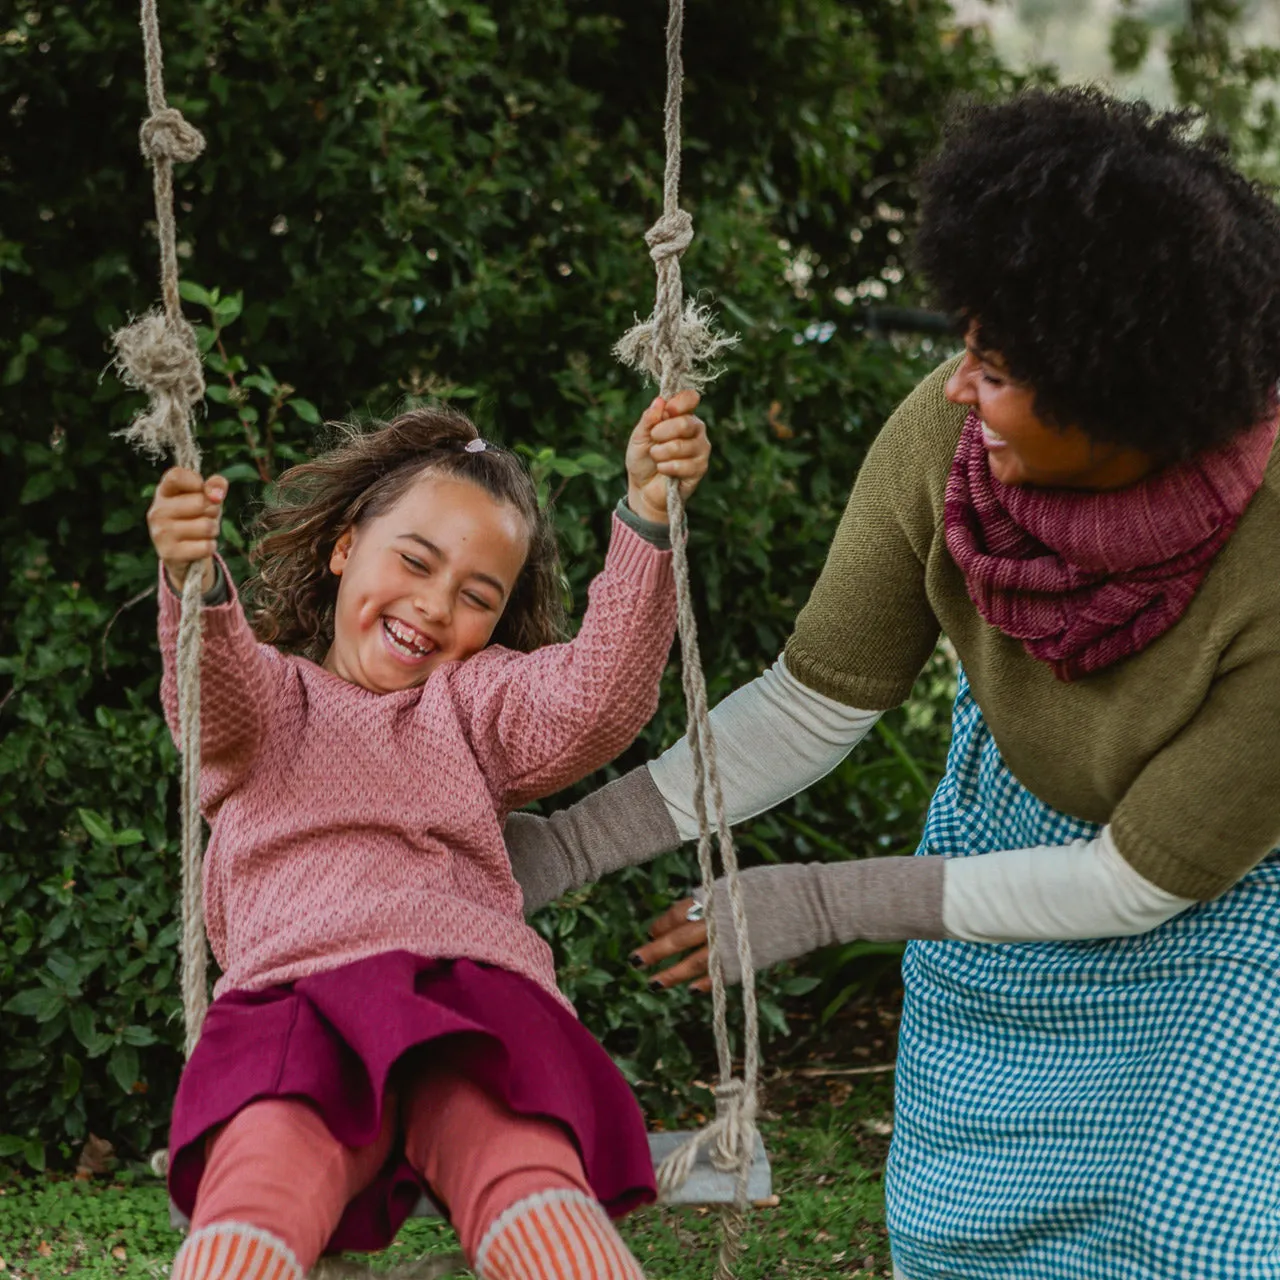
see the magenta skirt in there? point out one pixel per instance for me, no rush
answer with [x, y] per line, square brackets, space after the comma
[335, 1037]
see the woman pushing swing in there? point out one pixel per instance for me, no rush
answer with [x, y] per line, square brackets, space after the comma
[1087, 503]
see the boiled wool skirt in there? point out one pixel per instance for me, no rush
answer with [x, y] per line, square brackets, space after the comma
[335, 1038]
[1077, 1110]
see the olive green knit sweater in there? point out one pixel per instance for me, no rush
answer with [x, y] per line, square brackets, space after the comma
[1178, 747]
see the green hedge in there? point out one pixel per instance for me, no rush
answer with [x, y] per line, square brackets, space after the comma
[419, 199]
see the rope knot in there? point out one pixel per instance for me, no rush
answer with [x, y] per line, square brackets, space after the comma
[170, 135]
[689, 354]
[734, 1122]
[156, 354]
[161, 357]
[670, 236]
[729, 1095]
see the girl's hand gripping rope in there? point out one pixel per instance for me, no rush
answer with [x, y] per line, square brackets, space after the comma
[184, 520]
[668, 441]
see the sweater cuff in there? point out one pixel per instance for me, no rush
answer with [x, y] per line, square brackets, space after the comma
[216, 595]
[220, 602]
[650, 530]
[632, 556]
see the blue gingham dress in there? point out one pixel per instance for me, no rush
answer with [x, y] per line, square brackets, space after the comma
[1104, 1110]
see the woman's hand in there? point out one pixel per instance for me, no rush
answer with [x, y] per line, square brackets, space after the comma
[668, 441]
[184, 520]
[673, 933]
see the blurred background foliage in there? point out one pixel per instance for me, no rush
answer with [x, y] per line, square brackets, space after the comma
[416, 199]
[1221, 57]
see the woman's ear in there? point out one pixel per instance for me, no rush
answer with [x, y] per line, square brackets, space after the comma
[340, 553]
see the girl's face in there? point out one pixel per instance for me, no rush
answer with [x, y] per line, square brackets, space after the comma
[1023, 450]
[424, 583]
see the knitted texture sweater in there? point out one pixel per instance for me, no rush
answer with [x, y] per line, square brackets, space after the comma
[1178, 746]
[347, 823]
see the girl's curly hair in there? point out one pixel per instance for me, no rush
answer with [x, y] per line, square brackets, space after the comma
[292, 593]
[1115, 259]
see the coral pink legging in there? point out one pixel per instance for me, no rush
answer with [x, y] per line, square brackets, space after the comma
[275, 1165]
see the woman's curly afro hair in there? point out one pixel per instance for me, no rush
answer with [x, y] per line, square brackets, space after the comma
[1115, 260]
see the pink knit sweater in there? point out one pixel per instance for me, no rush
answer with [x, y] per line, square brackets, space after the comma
[347, 823]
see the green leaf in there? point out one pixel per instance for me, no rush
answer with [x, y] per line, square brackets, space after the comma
[123, 1066]
[33, 1154]
[305, 410]
[227, 310]
[38, 487]
[219, 394]
[771, 1015]
[63, 967]
[800, 986]
[121, 521]
[240, 471]
[10, 1145]
[192, 292]
[72, 1074]
[96, 826]
[83, 1027]
[40, 1003]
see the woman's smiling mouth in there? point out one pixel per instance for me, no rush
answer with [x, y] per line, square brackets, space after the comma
[991, 440]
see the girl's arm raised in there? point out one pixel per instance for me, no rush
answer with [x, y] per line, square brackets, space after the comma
[539, 721]
[183, 521]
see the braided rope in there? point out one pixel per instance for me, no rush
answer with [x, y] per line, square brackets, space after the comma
[158, 354]
[675, 346]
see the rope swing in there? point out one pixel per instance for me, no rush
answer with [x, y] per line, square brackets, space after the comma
[675, 346]
[158, 354]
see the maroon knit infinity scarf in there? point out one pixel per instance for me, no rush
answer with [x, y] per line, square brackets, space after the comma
[1084, 579]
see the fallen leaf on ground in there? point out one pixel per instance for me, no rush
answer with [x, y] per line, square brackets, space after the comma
[119, 1254]
[96, 1156]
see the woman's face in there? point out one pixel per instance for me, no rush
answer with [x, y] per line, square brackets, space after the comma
[1023, 450]
[424, 583]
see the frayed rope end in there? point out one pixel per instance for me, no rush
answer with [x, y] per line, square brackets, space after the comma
[161, 358]
[698, 344]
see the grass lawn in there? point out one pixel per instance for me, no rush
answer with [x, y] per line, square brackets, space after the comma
[827, 1135]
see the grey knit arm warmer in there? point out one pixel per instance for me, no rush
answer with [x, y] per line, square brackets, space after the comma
[799, 907]
[1085, 889]
[623, 824]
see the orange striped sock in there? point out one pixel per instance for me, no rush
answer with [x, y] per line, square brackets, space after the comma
[234, 1251]
[555, 1235]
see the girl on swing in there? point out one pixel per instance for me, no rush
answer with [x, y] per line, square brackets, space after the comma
[385, 1019]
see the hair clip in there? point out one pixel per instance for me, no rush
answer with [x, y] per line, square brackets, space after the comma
[475, 446]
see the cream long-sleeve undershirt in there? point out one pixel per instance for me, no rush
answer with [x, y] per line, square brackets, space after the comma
[775, 736]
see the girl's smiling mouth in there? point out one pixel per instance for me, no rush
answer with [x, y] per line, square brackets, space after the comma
[407, 643]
